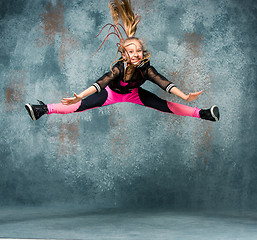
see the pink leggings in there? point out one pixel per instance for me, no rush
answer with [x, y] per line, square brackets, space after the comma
[138, 96]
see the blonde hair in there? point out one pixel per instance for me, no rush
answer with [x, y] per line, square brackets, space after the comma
[122, 9]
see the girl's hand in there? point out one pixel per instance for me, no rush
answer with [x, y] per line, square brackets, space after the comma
[72, 100]
[193, 96]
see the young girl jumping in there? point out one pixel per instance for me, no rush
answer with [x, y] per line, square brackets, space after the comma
[123, 82]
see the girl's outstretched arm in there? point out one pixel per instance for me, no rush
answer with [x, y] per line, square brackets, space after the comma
[168, 86]
[77, 98]
[190, 97]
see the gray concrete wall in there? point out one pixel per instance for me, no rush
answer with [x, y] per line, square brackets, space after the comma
[126, 155]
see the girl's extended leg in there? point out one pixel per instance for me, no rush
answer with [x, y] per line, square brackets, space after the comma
[151, 100]
[93, 101]
[103, 98]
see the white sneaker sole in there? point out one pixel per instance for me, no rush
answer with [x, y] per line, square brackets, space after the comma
[213, 114]
[31, 112]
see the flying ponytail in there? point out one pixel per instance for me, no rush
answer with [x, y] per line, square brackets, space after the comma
[122, 9]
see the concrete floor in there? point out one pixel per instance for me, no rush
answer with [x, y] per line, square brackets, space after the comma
[78, 223]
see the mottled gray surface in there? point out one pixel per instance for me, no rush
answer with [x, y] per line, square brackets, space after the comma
[126, 155]
[77, 223]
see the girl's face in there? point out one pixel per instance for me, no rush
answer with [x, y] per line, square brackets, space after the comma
[134, 52]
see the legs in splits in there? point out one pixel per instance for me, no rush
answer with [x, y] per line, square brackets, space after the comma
[138, 96]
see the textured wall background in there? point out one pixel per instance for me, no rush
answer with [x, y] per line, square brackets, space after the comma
[126, 155]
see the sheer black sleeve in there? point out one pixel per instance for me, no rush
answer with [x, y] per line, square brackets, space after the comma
[103, 81]
[159, 79]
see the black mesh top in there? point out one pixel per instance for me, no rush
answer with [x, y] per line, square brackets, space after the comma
[115, 78]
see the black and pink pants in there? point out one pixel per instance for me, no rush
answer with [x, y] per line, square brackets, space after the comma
[138, 96]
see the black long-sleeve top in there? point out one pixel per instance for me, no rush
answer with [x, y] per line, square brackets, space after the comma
[115, 78]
